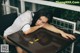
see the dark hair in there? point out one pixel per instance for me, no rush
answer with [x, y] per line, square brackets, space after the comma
[43, 12]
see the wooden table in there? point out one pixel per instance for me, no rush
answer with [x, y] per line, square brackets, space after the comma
[40, 41]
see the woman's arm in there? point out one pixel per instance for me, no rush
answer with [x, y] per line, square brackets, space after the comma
[56, 30]
[32, 29]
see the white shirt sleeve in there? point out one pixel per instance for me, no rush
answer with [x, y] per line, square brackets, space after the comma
[26, 27]
[24, 18]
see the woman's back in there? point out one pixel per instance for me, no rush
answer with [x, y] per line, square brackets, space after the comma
[20, 21]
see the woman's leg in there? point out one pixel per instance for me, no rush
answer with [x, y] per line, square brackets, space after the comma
[8, 41]
[25, 51]
[19, 50]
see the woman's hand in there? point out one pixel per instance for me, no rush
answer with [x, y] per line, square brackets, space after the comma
[68, 36]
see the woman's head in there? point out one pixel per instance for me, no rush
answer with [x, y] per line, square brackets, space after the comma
[41, 20]
[42, 16]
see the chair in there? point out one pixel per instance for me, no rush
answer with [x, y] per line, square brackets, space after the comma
[5, 22]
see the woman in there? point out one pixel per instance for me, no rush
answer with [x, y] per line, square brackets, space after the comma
[30, 22]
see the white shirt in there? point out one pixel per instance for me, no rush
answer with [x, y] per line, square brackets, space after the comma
[20, 21]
